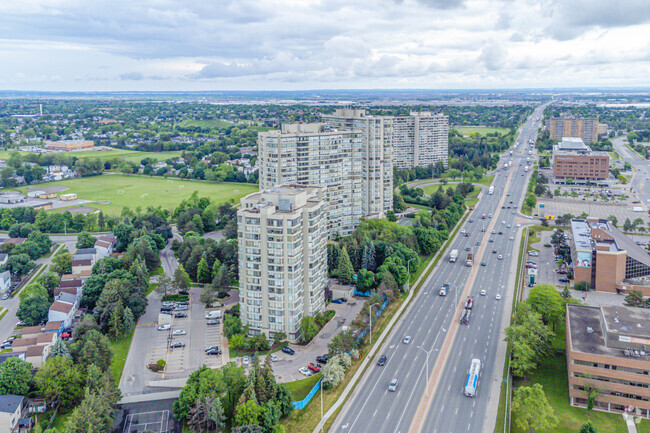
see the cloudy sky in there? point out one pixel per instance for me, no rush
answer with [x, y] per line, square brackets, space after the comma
[322, 44]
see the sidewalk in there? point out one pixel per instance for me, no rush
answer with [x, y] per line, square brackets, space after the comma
[629, 420]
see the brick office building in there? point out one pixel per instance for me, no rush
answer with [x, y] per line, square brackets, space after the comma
[607, 259]
[573, 159]
[607, 348]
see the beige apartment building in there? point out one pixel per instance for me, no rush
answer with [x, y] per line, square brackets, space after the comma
[282, 238]
[585, 128]
[573, 159]
[317, 155]
[607, 348]
[420, 139]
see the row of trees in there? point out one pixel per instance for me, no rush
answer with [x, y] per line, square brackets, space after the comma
[227, 398]
[21, 256]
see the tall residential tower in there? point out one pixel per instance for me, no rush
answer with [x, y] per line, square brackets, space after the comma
[282, 258]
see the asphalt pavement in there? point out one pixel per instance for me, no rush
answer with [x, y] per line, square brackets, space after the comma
[371, 407]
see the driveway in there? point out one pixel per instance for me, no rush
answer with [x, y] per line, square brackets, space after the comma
[286, 368]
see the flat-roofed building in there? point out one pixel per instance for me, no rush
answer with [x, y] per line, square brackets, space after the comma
[585, 128]
[573, 159]
[607, 259]
[282, 237]
[420, 139]
[608, 348]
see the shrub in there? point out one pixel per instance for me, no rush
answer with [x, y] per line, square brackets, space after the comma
[547, 245]
[161, 363]
[155, 368]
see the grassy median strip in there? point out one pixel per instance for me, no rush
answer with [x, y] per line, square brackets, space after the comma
[3, 312]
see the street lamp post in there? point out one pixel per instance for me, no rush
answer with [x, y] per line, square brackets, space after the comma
[408, 272]
[376, 303]
[428, 352]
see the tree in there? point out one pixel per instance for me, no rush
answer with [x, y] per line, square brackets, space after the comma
[206, 415]
[93, 348]
[591, 394]
[613, 219]
[588, 428]
[181, 279]
[223, 280]
[627, 225]
[59, 380]
[215, 268]
[19, 264]
[94, 415]
[308, 329]
[333, 372]
[85, 240]
[345, 269]
[368, 257]
[49, 280]
[62, 262]
[247, 413]
[33, 310]
[634, 299]
[203, 274]
[365, 280]
[390, 216]
[59, 348]
[15, 376]
[523, 359]
[33, 290]
[532, 409]
[164, 285]
[548, 302]
[250, 428]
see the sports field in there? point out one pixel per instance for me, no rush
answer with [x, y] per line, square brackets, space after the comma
[128, 155]
[483, 130]
[134, 191]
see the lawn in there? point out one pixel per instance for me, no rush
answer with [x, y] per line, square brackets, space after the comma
[117, 191]
[105, 155]
[433, 188]
[300, 388]
[552, 374]
[483, 130]
[120, 349]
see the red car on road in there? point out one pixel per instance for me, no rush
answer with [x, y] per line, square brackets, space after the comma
[313, 367]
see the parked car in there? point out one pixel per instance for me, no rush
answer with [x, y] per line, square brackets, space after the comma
[213, 352]
[274, 357]
[304, 371]
[337, 301]
[6, 296]
[564, 280]
[244, 360]
[211, 348]
[392, 386]
[165, 327]
[382, 360]
[179, 332]
[288, 350]
[177, 345]
[180, 315]
[322, 359]
[313, 367]
[212, 322]
[6, 345]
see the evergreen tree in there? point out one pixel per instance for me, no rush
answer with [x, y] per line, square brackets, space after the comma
[128, 321]
[368, 257]
[203, 274]
[215, 268]
[59, 348]
[345, 269]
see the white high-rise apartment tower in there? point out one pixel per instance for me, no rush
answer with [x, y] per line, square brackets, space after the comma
[356, 184]
[282, 240]
[416, 140]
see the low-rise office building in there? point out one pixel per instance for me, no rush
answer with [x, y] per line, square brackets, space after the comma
[607, 349]
[608, 260]
[573, 159]
[282, 239]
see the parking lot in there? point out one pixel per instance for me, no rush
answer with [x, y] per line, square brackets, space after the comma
[562, 206]
[287, 366]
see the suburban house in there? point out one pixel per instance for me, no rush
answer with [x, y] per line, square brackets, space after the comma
[22, 344]
[5, 281]
[82, 265]
[68, 298]
[37, 355]
[12, 410]
[55, 327]
[3, 258]
[83, 275]
[104, 246]
[62, 311]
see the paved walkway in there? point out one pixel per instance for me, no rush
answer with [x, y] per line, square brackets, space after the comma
[629, 420]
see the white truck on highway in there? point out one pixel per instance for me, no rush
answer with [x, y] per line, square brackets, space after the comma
[491, 190]
[453, 256]
[443, 290]
[526, 168]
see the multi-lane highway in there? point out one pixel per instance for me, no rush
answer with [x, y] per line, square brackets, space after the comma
[432, 323]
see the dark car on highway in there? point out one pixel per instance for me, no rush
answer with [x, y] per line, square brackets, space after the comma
[382, 360]
[288, 350]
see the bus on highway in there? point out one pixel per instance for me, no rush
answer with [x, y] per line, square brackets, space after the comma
[472, 378]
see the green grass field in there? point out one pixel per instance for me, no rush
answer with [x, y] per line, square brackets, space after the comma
[300, 388]
[483, 130]
[120, 349]
[105, 155]
[134, 191]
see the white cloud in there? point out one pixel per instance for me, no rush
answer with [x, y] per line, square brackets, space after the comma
[284, 44]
